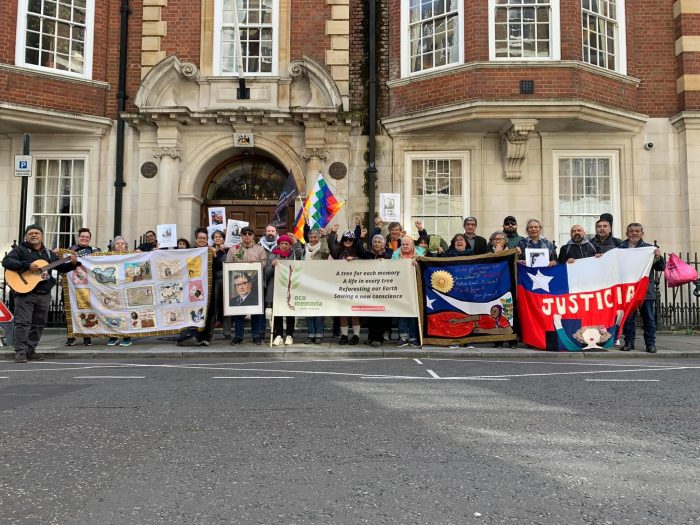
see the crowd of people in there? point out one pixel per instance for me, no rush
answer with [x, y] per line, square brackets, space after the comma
[31, 309]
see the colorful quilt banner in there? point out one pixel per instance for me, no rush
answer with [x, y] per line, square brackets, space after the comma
[378, 288]
[138, 294]
[467, 299]
[582, 306]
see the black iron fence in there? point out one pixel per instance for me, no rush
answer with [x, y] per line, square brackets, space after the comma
[676, 308]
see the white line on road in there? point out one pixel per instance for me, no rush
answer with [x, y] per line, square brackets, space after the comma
[109, 377]
[252, 377]
[622, 380]
[418, 361]
[587, 372]
[538, 362]
[435, 376]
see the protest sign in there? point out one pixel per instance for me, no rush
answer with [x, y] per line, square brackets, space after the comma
[233, 232]
[167, 235]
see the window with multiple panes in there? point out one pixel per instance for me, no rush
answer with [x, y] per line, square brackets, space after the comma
[248, 26]
[56, 35]
[524, 29]
[59, 193]
[438, 193]
[602, 25]
[586, 190]
[433, 33]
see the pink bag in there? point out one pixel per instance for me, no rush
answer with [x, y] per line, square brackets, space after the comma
[678, 272]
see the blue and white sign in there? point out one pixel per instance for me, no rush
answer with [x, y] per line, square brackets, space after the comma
[23, 165]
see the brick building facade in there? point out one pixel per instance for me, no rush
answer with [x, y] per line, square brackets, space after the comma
[553, 109]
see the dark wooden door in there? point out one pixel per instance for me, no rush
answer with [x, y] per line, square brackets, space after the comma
[256, 213]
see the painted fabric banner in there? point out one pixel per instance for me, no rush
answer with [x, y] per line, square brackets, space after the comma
[138, 294]
[467, 299]
[378, 288]
[582, 306]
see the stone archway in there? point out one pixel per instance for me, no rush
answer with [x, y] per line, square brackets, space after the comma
[248, 186]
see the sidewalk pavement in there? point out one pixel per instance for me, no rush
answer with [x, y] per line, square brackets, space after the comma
[52, 346]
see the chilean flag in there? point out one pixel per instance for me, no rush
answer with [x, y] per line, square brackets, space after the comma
[582, 306]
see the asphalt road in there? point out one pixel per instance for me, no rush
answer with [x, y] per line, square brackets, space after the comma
[350, 441]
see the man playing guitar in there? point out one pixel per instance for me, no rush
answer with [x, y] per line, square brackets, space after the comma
[32, 308]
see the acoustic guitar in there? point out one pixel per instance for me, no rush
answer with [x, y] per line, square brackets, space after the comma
[25, 282]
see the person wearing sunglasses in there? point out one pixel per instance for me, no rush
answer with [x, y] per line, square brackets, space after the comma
[510, 228]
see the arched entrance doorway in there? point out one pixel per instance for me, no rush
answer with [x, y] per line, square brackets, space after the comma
[248, 186]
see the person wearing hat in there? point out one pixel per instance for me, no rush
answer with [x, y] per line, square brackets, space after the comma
[510, 228]
[248, 252]
[288, 249]
[603, 239]
[32, 308]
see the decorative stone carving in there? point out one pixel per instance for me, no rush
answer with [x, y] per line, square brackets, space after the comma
[514, 141]
[174, 152]
[310, 153]
[189, 70]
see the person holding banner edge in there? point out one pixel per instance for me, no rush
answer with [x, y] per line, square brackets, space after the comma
[82, 245]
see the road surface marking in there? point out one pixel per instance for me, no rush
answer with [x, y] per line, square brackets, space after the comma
[435, 376]
[418, 361]
[538, 362]
[586, 372]
[622, 380]
[109, 377]
[252, 377]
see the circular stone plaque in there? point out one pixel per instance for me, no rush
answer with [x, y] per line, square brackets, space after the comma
[149, 169]
[338, 170]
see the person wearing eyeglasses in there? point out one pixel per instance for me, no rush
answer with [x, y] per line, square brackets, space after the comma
[476, 243]
[510, 228]
[248, 252]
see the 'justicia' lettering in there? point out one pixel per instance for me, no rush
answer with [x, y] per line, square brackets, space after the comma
[600, 300]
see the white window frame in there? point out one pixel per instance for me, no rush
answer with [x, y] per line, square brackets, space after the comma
[31, 187]
[554, 36]
[620, 40]
[406, 42]
[614, 157]
[409, 157]
[218, 25]
[89, 41]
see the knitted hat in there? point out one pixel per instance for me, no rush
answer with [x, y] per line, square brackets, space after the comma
[284, 238]
[33, 227]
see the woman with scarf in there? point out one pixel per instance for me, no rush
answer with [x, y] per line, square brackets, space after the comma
[316, 249]
[377, 326]
[287, 250]
[408, 326]
[219, 252]
[349, 249]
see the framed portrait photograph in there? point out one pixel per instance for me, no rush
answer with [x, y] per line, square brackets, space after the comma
[537, 257]
[243, 289]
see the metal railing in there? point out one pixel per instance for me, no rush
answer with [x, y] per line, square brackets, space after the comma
[676, 308]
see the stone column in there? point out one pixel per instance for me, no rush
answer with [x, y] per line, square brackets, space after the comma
[688, 125]
[168, 182]
[314, 158]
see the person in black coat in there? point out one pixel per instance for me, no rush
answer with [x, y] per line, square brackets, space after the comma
[477, 244]
[32, 308]
[578, 247]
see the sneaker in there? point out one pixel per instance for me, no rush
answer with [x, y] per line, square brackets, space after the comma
[257, 340]
[402, 342]
[35, 357]
[288, 340]
[20, 357]
[354, 340]
[318, 340]
[278, 341]
[343, 340]
[112, 341]
[415, 343]
[70, 341]
[513, 345]
[387, 335]
[651, 349]
[204, 342]
[454, 346]
[87, 341]
[125, 342]
[309, 341]
[375, 344]
[236, 341]
[627, 347]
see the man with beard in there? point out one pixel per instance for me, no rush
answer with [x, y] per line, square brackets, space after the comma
[578, 247]
[510, 228]
[269, 240]
[603, 240]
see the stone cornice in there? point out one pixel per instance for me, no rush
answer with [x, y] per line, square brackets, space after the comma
[548, 64]
[53, 120]
[686, 121]
[505, 110]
